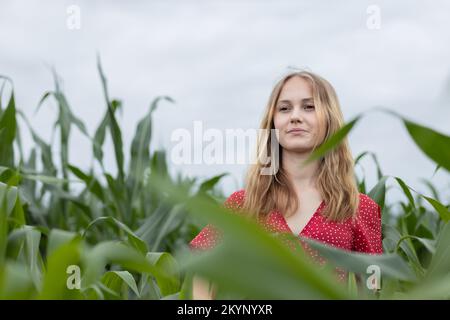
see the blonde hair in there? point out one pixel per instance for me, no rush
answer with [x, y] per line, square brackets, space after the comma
[335, 178]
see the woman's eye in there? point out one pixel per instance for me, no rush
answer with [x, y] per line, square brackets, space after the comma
[283, 108]
[309, 107]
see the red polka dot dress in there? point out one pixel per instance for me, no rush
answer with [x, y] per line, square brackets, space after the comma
[362, 234]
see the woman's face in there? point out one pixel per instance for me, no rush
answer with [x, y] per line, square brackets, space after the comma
[295, 116]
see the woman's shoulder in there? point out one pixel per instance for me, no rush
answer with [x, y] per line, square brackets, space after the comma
[235, 200]
[367, 237]
[366, 201]
[368, 208]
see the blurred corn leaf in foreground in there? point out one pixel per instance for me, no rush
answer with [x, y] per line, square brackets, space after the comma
[124, 234]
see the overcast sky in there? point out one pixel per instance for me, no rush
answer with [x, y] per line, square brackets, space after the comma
[220, 59]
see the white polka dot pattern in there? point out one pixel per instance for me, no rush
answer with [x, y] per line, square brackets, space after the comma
[360, 235]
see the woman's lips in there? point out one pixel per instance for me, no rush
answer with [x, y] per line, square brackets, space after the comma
[297, 131]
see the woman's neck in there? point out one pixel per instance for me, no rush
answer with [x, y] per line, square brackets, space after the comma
[302, 176]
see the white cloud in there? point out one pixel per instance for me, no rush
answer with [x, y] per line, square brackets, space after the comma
[219, 60]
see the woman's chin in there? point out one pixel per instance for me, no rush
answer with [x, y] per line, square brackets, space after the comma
[298, 148]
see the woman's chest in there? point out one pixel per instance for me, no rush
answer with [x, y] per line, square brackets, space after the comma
[338, 234]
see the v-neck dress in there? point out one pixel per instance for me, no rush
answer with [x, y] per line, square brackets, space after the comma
[362, 234]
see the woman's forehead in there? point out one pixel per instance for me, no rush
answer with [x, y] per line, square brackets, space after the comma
[296, 89]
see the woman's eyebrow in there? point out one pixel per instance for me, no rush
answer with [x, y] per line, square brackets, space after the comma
[310, 99]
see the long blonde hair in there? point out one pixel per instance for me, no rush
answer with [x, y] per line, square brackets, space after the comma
[335, 175]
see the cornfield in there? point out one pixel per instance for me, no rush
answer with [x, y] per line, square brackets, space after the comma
[125, 235]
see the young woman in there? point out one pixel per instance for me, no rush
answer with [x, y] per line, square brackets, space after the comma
[318, 200]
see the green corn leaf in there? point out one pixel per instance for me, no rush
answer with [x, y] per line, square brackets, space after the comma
[8, 133]
[406, 191]
[334, 140]
[57, 238]
[439, 207]
[170, 282]
[16, 282]
[434, 144]
[440, 263]
[211, 183]
[119, 281]
[96, 258]
[56, 282]
[113, 125]
[378, 192]
[133, 239]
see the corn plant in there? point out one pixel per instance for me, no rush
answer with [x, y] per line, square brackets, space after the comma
[125, 234]
[117, 230]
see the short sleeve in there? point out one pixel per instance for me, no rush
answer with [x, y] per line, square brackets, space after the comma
[209, 236]
[367, 234]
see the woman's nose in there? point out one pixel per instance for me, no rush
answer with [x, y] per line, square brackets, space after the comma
[296, 115]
